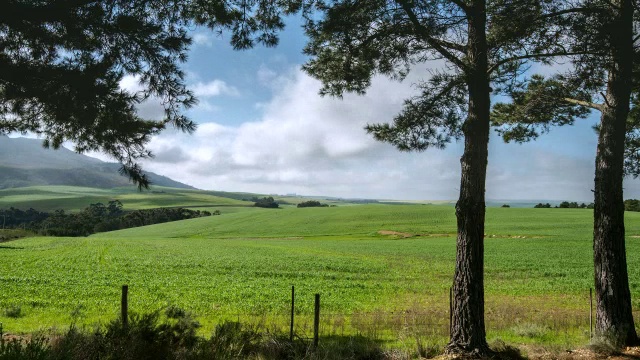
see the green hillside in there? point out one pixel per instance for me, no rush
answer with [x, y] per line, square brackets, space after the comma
[389, 265]
[25, 162]
[73, 198]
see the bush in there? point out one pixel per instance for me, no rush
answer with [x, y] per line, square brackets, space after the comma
[266, 202]
[311, 203]
[172, 335]
[13, 311]
[542, 206]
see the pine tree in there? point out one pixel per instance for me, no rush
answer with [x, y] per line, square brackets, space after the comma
[485, 45]
[603, 44]
[61, 64]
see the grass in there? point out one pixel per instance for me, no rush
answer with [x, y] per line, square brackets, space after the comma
[73, 198]
[241, 265]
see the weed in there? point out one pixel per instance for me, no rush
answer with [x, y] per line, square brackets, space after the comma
[13, 311]
[530, 330]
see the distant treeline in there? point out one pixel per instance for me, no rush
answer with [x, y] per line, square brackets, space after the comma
[629, 205]
[565, 205]
[93, 219]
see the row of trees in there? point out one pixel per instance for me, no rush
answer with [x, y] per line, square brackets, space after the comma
[564, 205]
[62, 62]
[93, 219]
[312, 203]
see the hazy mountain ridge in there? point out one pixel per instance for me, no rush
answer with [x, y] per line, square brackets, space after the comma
[25, 162]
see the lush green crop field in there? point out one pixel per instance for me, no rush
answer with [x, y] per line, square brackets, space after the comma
[382, 270]
[49, 198]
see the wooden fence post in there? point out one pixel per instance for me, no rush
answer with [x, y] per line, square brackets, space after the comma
[124, 306]
[450, 312]
[293, 304]
[591, 313]
[316, 322]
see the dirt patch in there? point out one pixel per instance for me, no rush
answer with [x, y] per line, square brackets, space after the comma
[395, 233]
[495, 236]
[535, 352]
[404, 235]
[540, 353]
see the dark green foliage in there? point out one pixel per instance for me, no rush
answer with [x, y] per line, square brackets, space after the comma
[570, 205]
[95, 218]
[172, 337]
[312, 203]
[62, 63]
[541, 205]
[505, 206]
[632, 205]
[35, 348]
[537, 105]
[13, 311]
[265, 202]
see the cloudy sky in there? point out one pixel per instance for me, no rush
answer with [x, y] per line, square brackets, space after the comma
[264, 128]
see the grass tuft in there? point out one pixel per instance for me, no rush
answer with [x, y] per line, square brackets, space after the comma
[13, 311]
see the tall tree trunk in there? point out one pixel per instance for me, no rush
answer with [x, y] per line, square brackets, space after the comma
[468, 330]
[614, 319]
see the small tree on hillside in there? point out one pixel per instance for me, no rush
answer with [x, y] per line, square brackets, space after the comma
[266, 202]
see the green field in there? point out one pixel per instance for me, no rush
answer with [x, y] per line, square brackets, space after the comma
[382, 270]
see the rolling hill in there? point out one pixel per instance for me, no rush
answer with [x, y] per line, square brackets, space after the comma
[25, 162]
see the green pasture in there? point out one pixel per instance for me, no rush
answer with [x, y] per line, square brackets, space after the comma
[381, 270]
[73, 198]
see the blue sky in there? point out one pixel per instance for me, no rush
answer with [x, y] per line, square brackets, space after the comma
[263, 128]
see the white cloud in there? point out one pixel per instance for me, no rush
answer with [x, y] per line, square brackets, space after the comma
[202, 39]
[310, 145]
[213, 88]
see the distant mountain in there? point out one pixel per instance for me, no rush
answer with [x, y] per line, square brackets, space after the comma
[24, 162]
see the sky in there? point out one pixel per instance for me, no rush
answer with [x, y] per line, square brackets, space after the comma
[263, 128]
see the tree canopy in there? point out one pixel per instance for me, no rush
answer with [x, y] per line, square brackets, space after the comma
[603, 42]
[61, 64]
[481, 48]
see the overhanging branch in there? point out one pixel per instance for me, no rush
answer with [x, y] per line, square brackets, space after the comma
[495, 66]
[436, 44]
[588, 104]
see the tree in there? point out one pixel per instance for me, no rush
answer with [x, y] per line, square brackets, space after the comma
[484, 44]
[61, 64]
[606, 58]
[542, 206]
[311, 203]
[632, 205]
[266, 202]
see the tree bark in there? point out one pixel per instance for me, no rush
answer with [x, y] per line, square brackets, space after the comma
[468, 335]
[614, 319]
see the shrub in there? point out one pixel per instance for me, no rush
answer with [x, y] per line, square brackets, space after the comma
[13, 311]
[266, 202]
[311, 203]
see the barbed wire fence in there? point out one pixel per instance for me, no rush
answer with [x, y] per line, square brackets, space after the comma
[413, 322]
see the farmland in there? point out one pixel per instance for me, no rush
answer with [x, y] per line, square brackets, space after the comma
[370, 263]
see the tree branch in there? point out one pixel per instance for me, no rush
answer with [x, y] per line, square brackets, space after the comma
[424, 33]
[580, 10]
[588, 104]
[461, 5]
[495, 66]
